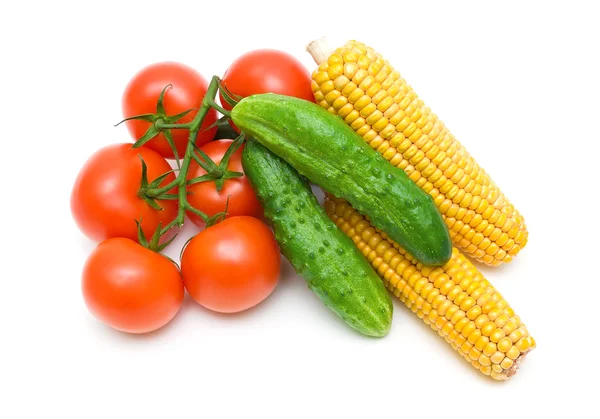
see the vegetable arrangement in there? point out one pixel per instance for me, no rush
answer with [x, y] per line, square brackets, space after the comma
[400, 192]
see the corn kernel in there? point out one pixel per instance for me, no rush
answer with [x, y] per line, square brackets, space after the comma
[497, 357]
[497, 335]
[523, 344]
[476, 334]
[498, 369]
[506, 363]
[504, 344]
[474, 312]
[487, 370]
[474, 354]
[484, 360]
[481, 343]
[468, 329]
[489, 349]
[488, 328]
[513, 353]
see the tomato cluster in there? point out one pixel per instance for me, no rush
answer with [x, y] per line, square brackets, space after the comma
[132, 200]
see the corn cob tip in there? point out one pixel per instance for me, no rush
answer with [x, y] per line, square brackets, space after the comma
[319, 50]
[515, 366]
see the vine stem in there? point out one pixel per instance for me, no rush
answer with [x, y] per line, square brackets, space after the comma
[162, 125]
[180, 181]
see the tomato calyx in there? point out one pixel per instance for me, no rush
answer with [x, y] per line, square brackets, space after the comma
[160, 123]
[154, 243]
[145, 186]
[217, 173]
[230, 98]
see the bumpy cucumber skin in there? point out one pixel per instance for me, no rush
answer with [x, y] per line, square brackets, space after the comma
[323, 255]
[330, 154]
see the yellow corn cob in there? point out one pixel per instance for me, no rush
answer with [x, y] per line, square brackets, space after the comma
[455, 299]
[360, 86]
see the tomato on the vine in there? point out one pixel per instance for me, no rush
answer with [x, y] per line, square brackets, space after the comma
[231, 266]
[204, 195]
[131, 288]
[267, 71]
[187, 90]
[105, 199]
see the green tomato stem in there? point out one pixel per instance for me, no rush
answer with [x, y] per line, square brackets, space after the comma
[162, 125]
[180, 181]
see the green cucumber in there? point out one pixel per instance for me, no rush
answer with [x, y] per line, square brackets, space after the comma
[329, 153]
[321, 253]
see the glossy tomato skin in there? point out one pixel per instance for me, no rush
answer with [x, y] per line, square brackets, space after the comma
[188, 89]
[231, 266]
[131, 288]
[204, 195]
[267, 71]
[104, 200]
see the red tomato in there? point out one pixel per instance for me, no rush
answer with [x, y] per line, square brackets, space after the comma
[187, 91]
[131, 288]
[204, 195]
[231, 266]
[267, 71]
[105, 201]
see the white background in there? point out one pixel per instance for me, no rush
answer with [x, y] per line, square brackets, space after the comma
[517, 83]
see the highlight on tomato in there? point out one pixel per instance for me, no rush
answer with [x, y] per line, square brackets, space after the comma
[184, 88]
[231, 266]
[106, 199]
[213, 196]
[266, 71]
[131, 288]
